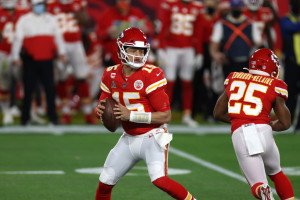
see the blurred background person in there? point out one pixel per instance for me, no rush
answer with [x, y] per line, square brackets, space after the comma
[290, 28]
[9, 14]
[72, 18]
[113, 21]
[204, 95]
[265, 18]
[179, 38]
[94, 52]
[34, 30]
[233, 39]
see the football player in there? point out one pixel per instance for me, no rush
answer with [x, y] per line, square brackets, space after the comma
[9, 16]
[264, 18]
[246, 104]
[113, 21]
[143, 106]
[179, 40]
[72, 16]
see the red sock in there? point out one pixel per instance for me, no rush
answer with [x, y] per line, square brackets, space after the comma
[103, 191]
[174, 189]
[187, 94]
[255, 189]
[169, 90]
[283, 185]
[61, 90]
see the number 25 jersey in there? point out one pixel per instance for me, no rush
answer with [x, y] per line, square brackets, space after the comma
[251, 97]
[137, 93]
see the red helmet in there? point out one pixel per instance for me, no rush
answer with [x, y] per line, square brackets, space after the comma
[132, 37]
[264, 62]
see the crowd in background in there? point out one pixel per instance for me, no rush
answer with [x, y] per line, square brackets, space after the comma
[196, 43]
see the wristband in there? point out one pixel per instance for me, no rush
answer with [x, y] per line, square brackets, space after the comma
[140, 117]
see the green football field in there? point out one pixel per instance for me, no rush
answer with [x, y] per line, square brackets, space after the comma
[67, 166]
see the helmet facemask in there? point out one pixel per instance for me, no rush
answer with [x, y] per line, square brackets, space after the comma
[253, 5]
[124, 56]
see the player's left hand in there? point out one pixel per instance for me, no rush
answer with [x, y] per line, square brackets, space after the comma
[122, 112]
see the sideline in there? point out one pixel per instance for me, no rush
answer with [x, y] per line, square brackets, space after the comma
[212, 166]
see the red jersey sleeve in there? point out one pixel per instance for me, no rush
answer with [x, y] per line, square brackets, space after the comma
[226, 82]
[155, 79]
[105, 87]
[281, 89]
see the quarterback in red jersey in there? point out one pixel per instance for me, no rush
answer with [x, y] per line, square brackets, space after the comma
[9, 14]
[179, 38]
[71, 16]
[143, 106]
[246, 104]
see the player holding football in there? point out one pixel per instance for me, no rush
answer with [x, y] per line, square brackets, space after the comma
[143, 106]
[246, 104]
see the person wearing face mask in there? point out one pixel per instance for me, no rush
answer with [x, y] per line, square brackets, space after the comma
[232, 40]
[113, 21]
[37, 42]
[290, 29]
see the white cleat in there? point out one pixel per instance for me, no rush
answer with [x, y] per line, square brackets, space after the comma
[8, 118]
[189, 121]
[35, 119]
[266, 192]
[15, 111]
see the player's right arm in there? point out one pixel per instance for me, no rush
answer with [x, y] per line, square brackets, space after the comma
[283, 115]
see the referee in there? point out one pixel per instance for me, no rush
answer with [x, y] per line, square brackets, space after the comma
[37, 43]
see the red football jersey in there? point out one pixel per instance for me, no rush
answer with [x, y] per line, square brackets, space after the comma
[134, 92]
[178, 23]
[7, 28]
[263, 14]
[66, 18]
[251, 97]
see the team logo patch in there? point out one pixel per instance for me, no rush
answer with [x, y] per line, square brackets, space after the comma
[113, 85]
[112, 75]
[138, 84]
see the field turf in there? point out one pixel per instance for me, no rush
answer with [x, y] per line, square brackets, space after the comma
[63, 154]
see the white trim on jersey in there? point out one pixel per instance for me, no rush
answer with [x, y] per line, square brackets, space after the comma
[156, 85]
[104, 88]
[226, 81]
[281, 91]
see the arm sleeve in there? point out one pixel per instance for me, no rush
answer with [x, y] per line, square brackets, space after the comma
[18, 40]
[59, 39]
[281, 89]
[217, 33]
[160, 101]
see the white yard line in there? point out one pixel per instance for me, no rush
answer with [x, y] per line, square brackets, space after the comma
[211, 166]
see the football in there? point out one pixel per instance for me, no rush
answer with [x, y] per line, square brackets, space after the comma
[108, 118]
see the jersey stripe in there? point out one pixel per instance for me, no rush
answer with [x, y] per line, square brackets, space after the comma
[281, 91]
[156, 85]
[226, 82]
[104, 88]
